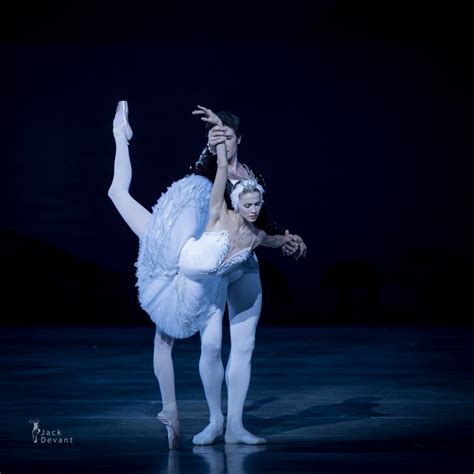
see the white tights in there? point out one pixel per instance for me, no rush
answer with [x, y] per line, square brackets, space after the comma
[244, 298]
[134, 214]
[137, 217]
[164, 372]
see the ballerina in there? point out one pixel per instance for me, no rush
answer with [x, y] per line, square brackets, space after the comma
[187, 245]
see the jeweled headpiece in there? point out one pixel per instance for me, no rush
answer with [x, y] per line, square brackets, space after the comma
[245, 186]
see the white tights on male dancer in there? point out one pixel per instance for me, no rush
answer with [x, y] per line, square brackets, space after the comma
[244, 297]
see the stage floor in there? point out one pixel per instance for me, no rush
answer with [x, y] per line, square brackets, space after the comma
[334, 399]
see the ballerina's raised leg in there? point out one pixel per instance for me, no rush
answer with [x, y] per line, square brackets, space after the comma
[137, 218]
[134, 214]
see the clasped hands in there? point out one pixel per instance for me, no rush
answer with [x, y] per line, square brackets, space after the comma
[294, 246]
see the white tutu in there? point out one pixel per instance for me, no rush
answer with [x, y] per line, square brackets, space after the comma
[178, 305]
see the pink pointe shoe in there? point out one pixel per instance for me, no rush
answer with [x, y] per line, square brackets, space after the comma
[120, 123]
[172, 427]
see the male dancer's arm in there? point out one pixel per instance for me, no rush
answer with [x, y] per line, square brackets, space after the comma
[206, 166]
[265, 220]
[274, 241]
[294, 246]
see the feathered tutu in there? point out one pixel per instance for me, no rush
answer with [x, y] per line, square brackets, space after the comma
[174, 303]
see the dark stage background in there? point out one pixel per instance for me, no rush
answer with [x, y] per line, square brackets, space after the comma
[358, 115]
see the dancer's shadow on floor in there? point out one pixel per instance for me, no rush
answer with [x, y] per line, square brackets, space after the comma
[357, 408]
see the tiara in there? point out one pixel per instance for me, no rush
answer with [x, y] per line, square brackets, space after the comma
[249, 184]
[252, 176]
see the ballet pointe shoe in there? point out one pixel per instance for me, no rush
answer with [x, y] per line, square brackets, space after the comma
[172, 428]
[120, 123]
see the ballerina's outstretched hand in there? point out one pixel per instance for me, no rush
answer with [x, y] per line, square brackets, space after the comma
[208, 115]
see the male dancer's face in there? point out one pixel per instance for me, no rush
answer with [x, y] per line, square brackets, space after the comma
[250, 204]
[231, 143]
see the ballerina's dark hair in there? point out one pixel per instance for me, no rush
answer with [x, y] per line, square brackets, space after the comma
[229, 119]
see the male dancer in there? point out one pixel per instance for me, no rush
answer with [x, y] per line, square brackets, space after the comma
[244, 300]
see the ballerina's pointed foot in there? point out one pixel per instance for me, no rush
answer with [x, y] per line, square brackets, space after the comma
[121, 126]
[241, 435]
[209, 434]
[172, 428]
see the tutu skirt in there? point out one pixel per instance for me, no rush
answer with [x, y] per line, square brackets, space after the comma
[178, 305]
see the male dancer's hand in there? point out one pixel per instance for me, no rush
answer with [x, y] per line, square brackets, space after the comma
[296, 247]
[216, 135]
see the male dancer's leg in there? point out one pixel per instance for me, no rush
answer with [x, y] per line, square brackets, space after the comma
[211, 370]
[244, 298]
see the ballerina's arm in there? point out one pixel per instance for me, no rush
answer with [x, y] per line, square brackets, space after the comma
[217, 201]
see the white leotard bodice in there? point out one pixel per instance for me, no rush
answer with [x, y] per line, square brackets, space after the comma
[209, 255]
[182, 271]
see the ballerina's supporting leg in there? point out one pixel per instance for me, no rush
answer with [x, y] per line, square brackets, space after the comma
[164, 372]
